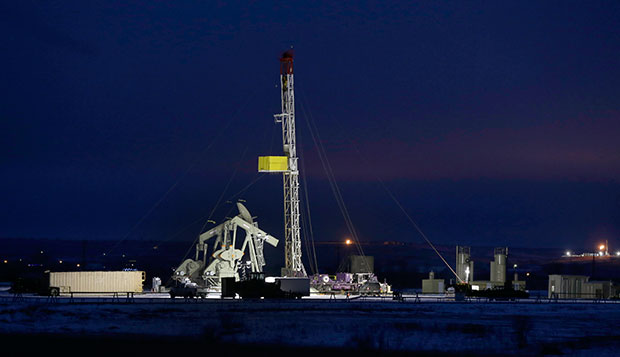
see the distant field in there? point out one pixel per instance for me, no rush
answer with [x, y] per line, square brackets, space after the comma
[470, 328]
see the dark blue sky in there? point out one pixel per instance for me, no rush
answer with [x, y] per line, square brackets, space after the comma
[493, 122]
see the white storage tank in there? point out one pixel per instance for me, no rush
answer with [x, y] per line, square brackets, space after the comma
[498, 267]
[98, 281]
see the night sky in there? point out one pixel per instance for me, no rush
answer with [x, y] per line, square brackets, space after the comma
[494, 123]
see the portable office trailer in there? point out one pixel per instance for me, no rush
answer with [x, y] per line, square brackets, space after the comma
[567, 286]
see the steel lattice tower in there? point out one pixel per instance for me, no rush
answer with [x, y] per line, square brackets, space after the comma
[292, 242]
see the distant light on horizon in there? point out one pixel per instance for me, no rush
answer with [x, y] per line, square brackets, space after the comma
[568, 253]
[601, 247]
[348, 242]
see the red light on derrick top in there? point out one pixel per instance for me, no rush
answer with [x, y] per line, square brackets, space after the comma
[286, 62]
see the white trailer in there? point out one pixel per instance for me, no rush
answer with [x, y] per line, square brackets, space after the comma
[96, 282]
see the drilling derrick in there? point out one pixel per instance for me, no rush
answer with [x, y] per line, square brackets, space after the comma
[288, 166]
[293, 265]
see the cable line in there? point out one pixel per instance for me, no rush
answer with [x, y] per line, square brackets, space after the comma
[331, 177]
[307, 226]
[206, 217]
[400, 206]
[219, 200]
[182, 176]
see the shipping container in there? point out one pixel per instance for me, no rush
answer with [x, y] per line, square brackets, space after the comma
[98, 281]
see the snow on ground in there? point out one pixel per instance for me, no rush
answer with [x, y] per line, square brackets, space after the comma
[517, 328]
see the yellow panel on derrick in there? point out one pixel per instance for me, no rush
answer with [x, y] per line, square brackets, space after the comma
[272, 163]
